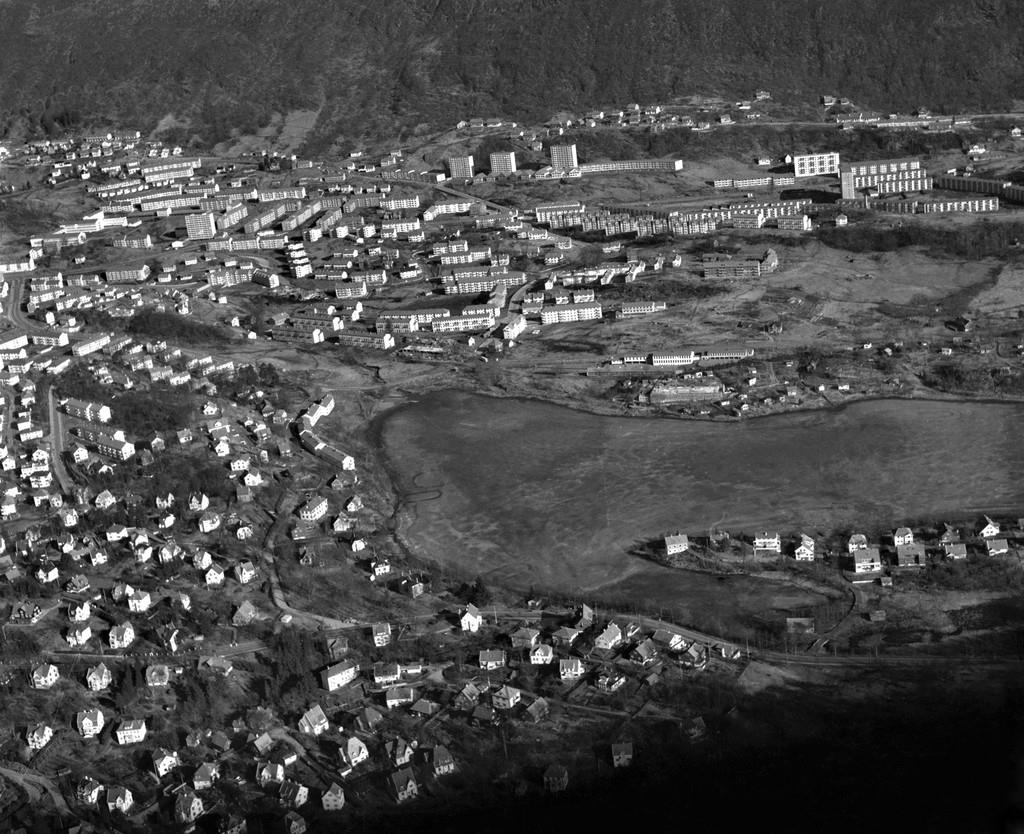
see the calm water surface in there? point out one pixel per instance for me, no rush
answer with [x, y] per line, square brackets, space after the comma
[535, 493]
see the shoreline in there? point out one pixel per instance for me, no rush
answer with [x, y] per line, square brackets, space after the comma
[589, 406]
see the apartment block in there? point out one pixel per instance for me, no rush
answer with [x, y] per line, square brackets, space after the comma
[890, 176]
[563, 313]
[463, 323]
[202, 226]
[563, 157]
[503, 163]
[460, 167]
[815, 164]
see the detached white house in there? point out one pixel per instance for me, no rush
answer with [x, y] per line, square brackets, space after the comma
[339, 675]
[131, 731]
[45, 676]
[98, 677]
[89, 722]
[609, 638]
[39, 736]
[903, 535]
[354, 751]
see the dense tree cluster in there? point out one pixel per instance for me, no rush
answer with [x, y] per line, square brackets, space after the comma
[412, 62]
[155, 324]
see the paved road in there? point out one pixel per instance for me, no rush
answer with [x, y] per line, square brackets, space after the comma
[36, 785]
[12, 308]
[56, 437]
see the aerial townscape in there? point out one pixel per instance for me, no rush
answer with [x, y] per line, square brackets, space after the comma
[651, 457]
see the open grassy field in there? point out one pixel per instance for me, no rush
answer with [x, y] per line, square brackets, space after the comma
[533, 494]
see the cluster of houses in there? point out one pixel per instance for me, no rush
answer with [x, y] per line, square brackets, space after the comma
[867, 561]
[582, 652]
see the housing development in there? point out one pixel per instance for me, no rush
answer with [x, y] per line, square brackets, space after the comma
[297, 533]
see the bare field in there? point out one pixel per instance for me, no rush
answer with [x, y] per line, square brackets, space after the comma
[1005, 297]
[900, 277]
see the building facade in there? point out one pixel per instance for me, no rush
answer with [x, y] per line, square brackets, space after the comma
[460, 167]
[503, 163]
[815, 164]
[563, 157]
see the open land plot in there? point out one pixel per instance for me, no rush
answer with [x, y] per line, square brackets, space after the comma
[906, 276]
[533, 494]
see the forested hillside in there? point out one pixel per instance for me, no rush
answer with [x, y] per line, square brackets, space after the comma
[373, 67]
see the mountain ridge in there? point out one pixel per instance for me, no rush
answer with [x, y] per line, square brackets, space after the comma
[384, 68]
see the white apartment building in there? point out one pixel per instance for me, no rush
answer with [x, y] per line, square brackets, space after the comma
[340, 674]
[91, 345]
[202, 226]
[562, 313]
[640, 308]
[461, 324]
[460, 167]
[889, 176]
[503, 163]
[563, 157]
[815, 164]
[514, 328]
[131, 731]
[768, 542]
[314, 509]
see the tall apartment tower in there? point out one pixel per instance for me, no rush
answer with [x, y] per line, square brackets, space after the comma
[201, 226]
[563, 157]
[460, 167]
[503, 162]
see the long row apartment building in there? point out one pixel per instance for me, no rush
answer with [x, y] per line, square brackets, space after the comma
[889, 176]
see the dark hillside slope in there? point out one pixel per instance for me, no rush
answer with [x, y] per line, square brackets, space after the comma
[372, 66]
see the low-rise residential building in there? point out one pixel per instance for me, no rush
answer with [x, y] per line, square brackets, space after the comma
[120, 799]
[608, 639]
[121, 636]
[98, 677]
[353, 751]
[490, 659]
[89, 722]
[997, 547]
[955, 550]
[131, 731]
[867, 560]
[45, 676]
[765, 542]
[39, 736]
[805, 550]
[506, 697]
[381, 633]
[903, 535]
[471, 619]
[542, 655]
[188, 807]
[314, 721]
[403, 783]
[339, 675]
[314, 509]
[570, 669]
[165, 761]
[911, 555]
